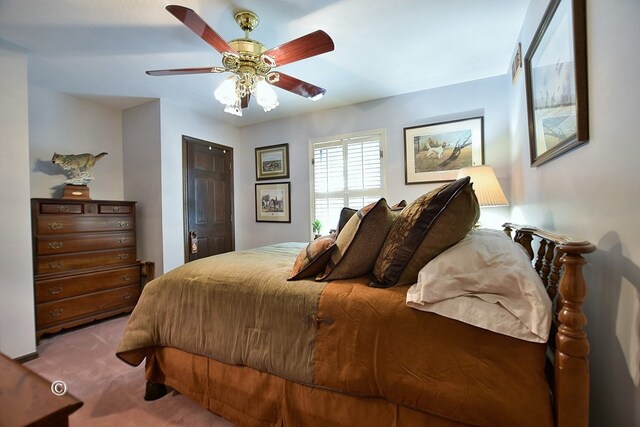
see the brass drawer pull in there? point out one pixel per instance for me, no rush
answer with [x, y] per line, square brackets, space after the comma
[56, 265]
[56, 312]
[54, 245]
[55, 290]
[128, 295]
[122, 224]
[55, 225]
[126, 277]
[62, 208]
[116, 209]
[123, 256]
[123, 239]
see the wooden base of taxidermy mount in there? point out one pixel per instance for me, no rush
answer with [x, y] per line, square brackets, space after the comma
[76, 192]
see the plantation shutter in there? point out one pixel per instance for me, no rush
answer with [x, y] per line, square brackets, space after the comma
[346, 172]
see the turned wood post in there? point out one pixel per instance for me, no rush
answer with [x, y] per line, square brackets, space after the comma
[572, 345]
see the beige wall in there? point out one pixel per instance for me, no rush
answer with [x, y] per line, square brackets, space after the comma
[486, 97]
[17, 329]
[593, 192]
[69, 125]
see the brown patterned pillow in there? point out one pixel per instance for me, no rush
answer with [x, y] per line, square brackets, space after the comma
[429, 225]
[359, 242]
[346, 213]
[313, 259]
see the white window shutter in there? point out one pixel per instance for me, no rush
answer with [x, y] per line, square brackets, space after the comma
[346, 172]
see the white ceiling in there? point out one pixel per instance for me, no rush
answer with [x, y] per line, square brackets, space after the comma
[100, 49]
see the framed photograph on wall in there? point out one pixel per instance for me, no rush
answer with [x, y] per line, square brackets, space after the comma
[556, 81]
[272, 162]
[435, 152]
[273, 202]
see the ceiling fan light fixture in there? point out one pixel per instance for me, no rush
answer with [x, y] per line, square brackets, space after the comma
[235, 108]
[226, 92]
[265, 96]
[251, 62]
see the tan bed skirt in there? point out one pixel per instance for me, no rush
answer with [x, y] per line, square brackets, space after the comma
[250, 398]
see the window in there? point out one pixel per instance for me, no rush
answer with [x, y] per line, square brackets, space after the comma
[345, 171]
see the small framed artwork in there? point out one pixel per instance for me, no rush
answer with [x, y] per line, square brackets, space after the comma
[556, 82]
[516, 63]
[435, 152]
[273, 202]
[272, 162]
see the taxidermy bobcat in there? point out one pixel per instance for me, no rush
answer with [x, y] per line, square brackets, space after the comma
[77, 166]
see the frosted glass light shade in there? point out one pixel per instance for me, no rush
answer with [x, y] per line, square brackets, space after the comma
[265, 95]
[485, 185]
[226, 92]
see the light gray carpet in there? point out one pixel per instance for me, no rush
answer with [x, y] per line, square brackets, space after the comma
[111, 390]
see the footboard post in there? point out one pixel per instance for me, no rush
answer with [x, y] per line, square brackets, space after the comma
[572, 346]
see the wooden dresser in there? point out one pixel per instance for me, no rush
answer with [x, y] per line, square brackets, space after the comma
[85, 265]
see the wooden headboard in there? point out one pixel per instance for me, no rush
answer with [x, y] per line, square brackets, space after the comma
[558, 260]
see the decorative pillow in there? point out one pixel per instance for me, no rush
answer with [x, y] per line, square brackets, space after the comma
[347, 213]
[313, 259]
[429, 225]
[359, 242]
[486, 280]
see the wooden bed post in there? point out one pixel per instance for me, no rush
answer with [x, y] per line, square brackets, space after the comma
[572, 346]
[557, 257]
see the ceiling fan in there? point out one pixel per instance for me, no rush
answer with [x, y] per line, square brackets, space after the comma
[251, 63]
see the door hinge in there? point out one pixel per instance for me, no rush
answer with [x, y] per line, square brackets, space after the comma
[381, 154]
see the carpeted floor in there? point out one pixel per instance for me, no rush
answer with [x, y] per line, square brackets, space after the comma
[112, 391]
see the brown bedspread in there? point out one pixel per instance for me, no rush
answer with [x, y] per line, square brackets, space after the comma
[367, 342]
[236, 307]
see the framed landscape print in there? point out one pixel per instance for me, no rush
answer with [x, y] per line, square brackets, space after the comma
[272, 162]
[556, 82]
[435, 152]
[273, 202]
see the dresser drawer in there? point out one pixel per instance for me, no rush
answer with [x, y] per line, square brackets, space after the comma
[62, 244]
[115, 209]
[61, 208]
[71, 308]
[71, 286]
[69, 262]
[58, 224]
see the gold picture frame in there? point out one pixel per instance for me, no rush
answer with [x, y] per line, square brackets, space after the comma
[272, 162]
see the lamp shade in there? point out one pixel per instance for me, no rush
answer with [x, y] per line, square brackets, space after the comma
[485, 185]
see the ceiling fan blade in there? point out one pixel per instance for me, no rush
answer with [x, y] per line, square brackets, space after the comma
[304, 47]
[178, 71]
[245, 100]
[298, 87]
[196, 24]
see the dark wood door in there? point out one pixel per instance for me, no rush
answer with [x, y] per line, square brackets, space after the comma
[208, 175]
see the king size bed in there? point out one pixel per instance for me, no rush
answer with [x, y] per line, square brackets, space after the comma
[357, 329]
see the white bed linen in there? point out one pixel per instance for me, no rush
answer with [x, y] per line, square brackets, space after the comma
[485, 280]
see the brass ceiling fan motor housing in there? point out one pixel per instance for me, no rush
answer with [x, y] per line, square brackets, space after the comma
[250, 50]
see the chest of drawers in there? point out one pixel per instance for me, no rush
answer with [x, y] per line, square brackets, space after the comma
[85, 264]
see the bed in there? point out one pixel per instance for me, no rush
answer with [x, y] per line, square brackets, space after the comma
[336, 341]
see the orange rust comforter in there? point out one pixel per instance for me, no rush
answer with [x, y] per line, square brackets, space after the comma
[239, 309]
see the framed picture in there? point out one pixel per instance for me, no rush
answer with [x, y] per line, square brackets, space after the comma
[435, 152]
[516, 63]
[556, 81]
[273, 202]
[272, 162]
